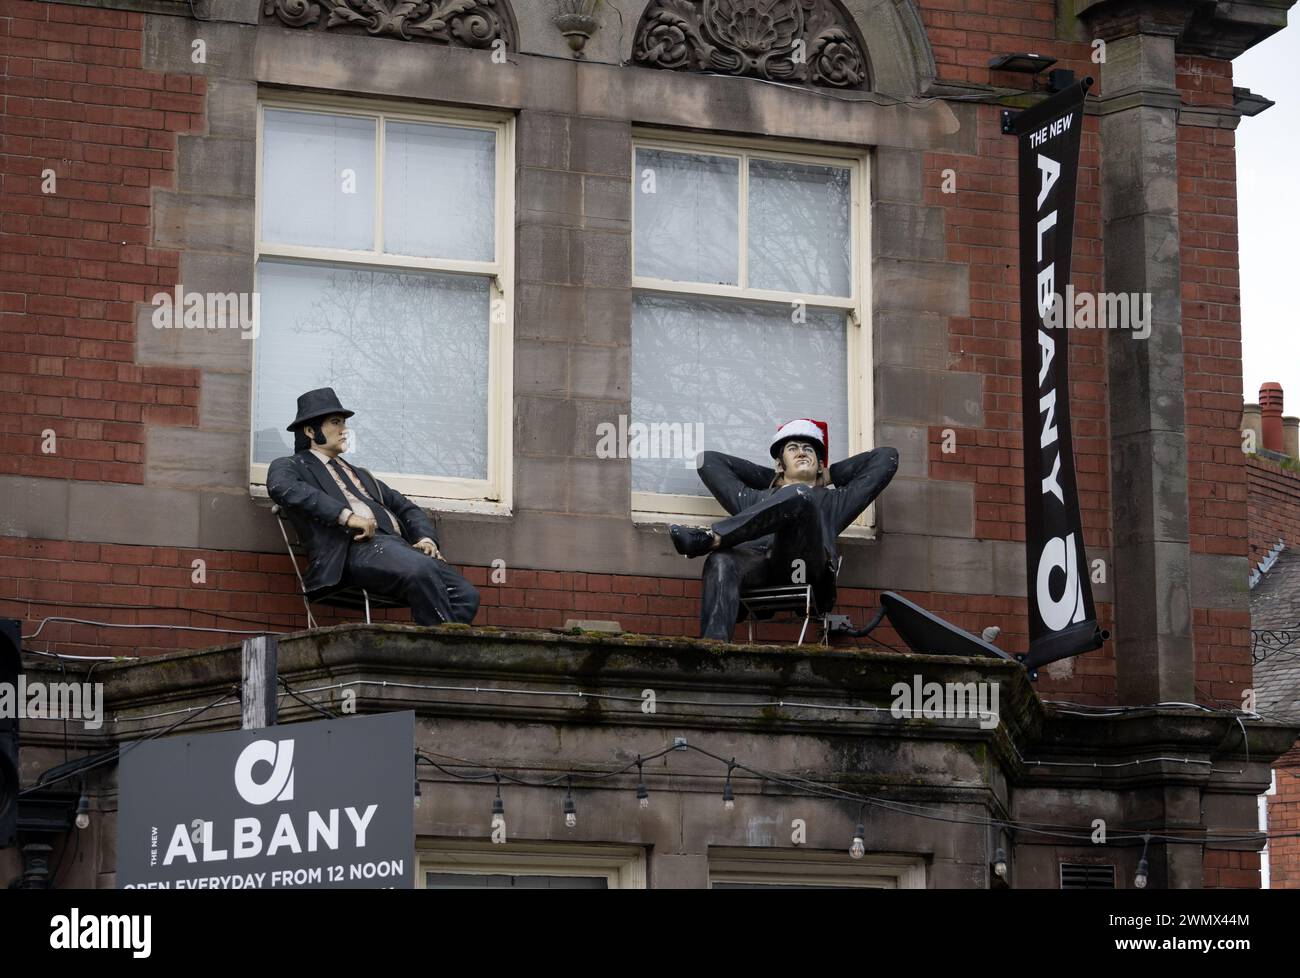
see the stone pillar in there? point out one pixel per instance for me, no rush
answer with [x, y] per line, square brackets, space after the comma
[1270, 408]
[1139, 169]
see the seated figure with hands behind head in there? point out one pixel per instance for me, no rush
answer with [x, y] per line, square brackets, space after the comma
[356, 529]
[784, 523]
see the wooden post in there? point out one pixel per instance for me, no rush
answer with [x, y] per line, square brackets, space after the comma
[258, 687]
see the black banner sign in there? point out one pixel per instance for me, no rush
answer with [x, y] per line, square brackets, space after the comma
[1062, 620]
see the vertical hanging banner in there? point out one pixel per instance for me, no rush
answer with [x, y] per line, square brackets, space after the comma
[1062, 620]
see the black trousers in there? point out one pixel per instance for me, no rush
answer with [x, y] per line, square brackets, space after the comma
[759, 548]
[388, 565]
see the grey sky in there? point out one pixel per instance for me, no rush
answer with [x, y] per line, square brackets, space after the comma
[1268, 209]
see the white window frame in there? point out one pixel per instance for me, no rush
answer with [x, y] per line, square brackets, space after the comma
[623, 867]
[491, 495]
[776, 867]
[659, 508]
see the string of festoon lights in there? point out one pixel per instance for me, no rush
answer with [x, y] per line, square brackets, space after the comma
[858, 843]
[792, 782]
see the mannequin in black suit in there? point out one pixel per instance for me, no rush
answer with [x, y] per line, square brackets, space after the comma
[392, 551]
[784, 521]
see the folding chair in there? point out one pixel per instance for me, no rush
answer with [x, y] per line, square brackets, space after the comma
[796, 599]
[335, 596]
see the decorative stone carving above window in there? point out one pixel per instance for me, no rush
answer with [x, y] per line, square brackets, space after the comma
[799, 41]
[465, 23]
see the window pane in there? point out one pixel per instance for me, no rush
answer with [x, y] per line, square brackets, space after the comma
[687, 219]
[799, 228]
[407, 351]
[439, 191]
[318, 180]
[738, 368]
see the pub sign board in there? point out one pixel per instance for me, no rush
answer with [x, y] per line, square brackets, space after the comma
[321, 805]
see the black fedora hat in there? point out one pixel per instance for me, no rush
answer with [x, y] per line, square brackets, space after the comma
[317, 404]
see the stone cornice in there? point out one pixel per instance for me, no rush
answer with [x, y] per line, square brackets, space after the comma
[1162, 98]
[1207, 28]
[535, 677]
[1209, 116]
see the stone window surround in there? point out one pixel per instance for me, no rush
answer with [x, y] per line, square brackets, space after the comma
[208, 218]
[463, 495]
[622, 866]
[660, 508]
[811, 867]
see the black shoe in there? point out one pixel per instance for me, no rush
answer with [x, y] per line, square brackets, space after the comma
[691, 541]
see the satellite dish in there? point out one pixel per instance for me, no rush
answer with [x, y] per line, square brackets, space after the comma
[924, 632]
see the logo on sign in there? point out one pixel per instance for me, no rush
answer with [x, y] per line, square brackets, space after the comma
[279, 786]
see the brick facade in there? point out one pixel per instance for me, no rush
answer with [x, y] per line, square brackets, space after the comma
[76, 256]
[76, 264]
[107, 100]
[1284, 824]
[1274, 502]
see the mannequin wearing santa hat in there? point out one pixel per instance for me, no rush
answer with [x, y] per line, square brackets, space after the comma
[784, 522]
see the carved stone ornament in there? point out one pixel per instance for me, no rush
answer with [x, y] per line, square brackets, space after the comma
[800, 41]
[469, 23]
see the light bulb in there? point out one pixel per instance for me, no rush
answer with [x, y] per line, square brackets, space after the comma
[570, 811]
[644, 802]
[859, 848]
[1000, 863]
[1140, 880]
[83, 811]
[728, 797]
[83, 820]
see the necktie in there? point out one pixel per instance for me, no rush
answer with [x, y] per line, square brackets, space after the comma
[381, 515]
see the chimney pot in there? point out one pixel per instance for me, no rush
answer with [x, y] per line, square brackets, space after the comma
[1270, 406]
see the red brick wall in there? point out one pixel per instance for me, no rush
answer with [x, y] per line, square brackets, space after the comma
[1230, 869]
[1216, 471]
[137, 585]
[73, 263]
[1273, 506]
[965, 34]
[1284, 817]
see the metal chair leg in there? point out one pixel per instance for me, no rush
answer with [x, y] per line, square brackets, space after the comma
[366, 594]
[750, 623]
[802, 631]
[302, 587]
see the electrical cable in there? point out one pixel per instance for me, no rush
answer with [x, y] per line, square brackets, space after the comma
[306, 702]
[173, 628]
[114, 753]
[251, 618]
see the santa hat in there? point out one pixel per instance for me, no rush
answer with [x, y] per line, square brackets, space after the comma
[816, 432]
